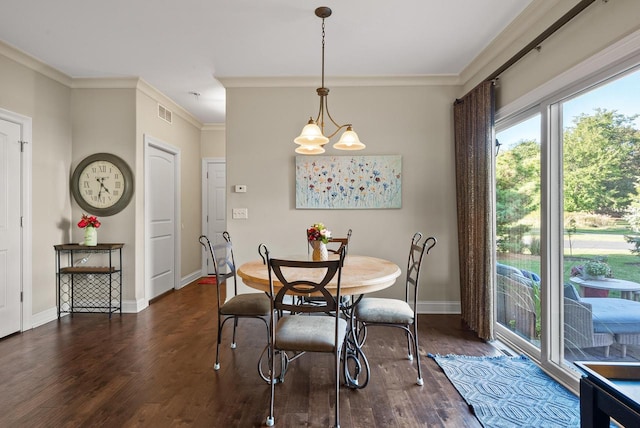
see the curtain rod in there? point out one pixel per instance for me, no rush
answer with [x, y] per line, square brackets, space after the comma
[546, 33]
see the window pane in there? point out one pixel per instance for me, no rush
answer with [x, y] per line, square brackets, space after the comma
[518, 229]
[601, 172]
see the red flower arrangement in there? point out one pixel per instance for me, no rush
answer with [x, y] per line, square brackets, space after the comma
[89, 221]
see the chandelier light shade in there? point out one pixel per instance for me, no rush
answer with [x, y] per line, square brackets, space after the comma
[349, 141]
[313, 136]
[310, 150]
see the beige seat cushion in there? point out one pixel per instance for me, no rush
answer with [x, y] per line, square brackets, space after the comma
[247, 304]
[374, 309]
[309, 333]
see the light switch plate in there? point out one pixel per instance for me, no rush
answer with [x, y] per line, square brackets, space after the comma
[241, 188]
[240, 213]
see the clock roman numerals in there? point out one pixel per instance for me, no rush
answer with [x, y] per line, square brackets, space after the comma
[102, 184]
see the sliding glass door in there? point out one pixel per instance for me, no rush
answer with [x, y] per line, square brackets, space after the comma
[601, 178]
[568, 224]
[518, 229]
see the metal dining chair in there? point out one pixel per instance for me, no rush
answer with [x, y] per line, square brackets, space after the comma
[375, 311]
[298, 326]
[343, 244]
[332, 248]
[251, 305]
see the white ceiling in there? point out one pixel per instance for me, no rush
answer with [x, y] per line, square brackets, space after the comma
[183, 46]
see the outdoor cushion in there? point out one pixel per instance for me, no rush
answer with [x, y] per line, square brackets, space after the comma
[531, 275]
[570, 292]
[613, 315]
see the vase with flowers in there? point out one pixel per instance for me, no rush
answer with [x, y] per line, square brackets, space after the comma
[90, 224]
[318, 236]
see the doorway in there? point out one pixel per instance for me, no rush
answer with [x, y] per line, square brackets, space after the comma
[214, 205]
[162, 217]
[15, 223]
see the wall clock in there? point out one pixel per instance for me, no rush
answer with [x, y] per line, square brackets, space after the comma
[102, 184]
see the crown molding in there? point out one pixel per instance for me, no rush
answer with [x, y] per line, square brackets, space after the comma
[294, 81]
[149, 90]
[34, 64]
[213, 127]
[105, 83]
[139, 84]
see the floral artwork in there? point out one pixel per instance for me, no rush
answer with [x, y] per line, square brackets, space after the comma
[348, 182]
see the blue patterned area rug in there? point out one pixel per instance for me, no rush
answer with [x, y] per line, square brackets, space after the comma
[510, 392]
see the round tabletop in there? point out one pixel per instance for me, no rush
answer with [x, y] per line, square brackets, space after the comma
[607, 284]
[360, 275]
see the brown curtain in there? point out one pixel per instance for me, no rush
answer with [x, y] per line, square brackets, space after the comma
[474, 142]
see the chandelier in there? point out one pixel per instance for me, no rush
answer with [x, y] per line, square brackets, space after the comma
[313, 135]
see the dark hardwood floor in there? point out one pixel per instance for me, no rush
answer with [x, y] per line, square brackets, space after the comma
[155, 369]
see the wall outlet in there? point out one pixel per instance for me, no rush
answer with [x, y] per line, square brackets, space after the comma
[240, 213]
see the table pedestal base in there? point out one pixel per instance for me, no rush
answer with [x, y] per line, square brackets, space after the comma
[594, 292]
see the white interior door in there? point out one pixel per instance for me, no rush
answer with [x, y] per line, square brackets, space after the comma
[10, 191]
[216, 200]
[161, 204]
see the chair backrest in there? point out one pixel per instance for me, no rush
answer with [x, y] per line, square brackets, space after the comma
[343, 244]
[335, 245]
[515, 304]
[416, 254]
[222, 260]
[578, 324]
[303, 278]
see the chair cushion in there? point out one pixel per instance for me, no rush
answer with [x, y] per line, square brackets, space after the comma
[247, 304]
[375, 309]
[613, 315]
[309, 333]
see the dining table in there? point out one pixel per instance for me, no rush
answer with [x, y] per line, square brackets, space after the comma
[601, 287]
[360, 275]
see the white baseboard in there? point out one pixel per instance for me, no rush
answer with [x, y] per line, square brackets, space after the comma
[43, 317]
[51, 314]
[186, 280]
[134, 306]
[426, 307]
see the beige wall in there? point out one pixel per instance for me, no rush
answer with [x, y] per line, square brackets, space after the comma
[184, 135]
[47, 102]
[212, 142]
[104, 121]
[414, 122]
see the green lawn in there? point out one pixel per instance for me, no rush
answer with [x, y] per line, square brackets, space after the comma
[584, 245]
[623, 266]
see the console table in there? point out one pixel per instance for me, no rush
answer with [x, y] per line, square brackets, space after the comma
[89, 279]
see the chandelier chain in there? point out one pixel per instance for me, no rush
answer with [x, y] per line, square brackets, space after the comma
[323, 52]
